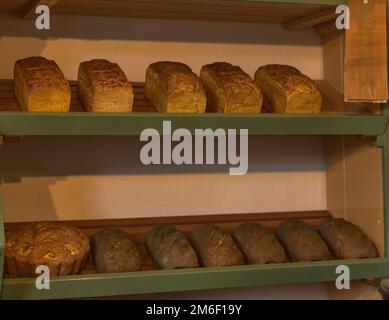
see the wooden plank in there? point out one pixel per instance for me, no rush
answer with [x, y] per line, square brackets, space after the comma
[29, 11]
[311, 20]
[326, 28]
[365, 75]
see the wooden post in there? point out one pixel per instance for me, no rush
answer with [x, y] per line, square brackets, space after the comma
[365, 75]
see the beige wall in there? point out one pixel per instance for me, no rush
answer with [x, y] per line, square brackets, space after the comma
[89, 178]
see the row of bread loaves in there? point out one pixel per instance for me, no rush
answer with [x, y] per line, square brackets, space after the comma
[65, 249]
[40, 86]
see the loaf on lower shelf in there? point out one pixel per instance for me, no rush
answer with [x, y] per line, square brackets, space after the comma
[302, 242]
[64, 249]
[258, 244]
[115, 251]
[103, 87]
[287, 90]
[215, 247]
[230, 90]
[173, 87]
[40, 86]
[170, 249]
[345, 240]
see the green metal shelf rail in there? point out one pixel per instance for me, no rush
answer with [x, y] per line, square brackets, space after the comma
[82, 123]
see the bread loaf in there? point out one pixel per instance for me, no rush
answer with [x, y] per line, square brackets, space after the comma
[229, 89]
[173, 87]
[170, 249]
[40, 86]
[258, 244]
[302, 242]
[115, 251]
[287, 90]
[103, 87]
[215, 247]
[345, 240]
[64, 249]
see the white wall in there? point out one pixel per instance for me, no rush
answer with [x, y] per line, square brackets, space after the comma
[96, 177]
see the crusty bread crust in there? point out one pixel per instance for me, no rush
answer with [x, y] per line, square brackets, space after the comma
[40, 86]
[103, 87]
[173, 87]
[230, 89]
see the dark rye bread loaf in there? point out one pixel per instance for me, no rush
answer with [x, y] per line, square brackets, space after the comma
[115, 251]
[215, 247]
[302, 242]
[170, 249]
[258, 244]
[345, 240]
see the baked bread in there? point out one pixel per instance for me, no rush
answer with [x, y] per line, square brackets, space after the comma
[287, 90]
[64, 249]
[230, 90]
[103, 87]
[215, 247]
[115, 251]
[345, 240]
[302, 242]
[40, 86]
[170, 249]
[258, 244]
[173, 87]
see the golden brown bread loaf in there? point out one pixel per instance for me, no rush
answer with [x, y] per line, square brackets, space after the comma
[346, 240]
[64, 249]
[173, 87]
[40, 86]
[103, 87]
[229, 89]
[258, 244]
[215, 247]
[302, 242]
[115, 251]
[287, 90]
[170, 249]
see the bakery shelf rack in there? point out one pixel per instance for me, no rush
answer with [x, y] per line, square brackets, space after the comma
[337, 119]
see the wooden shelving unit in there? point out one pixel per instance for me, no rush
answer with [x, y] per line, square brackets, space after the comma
[337, 118]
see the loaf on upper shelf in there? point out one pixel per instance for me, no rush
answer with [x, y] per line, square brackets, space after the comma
[230, 90]
[103, 87]
[40, 86]
[258, 244]
[302, 242]
[115, 251]
[173, 87]
[62, 248]
[346, 240]
[170, 249]
[287, 90]
[215, 247]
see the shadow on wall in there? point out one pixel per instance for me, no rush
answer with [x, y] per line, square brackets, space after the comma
[64, 156]
[95, 28]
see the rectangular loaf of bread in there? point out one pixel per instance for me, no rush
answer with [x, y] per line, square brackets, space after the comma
[287, 90]
[173, 87]
[230, 90]
[103, 87]
[40, 86]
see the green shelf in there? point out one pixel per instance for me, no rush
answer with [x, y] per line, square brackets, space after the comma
[81, 123]
[103, 285]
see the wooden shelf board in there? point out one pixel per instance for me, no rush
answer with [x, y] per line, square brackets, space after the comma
[279, 11]
[90, 284]
[337, 117]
